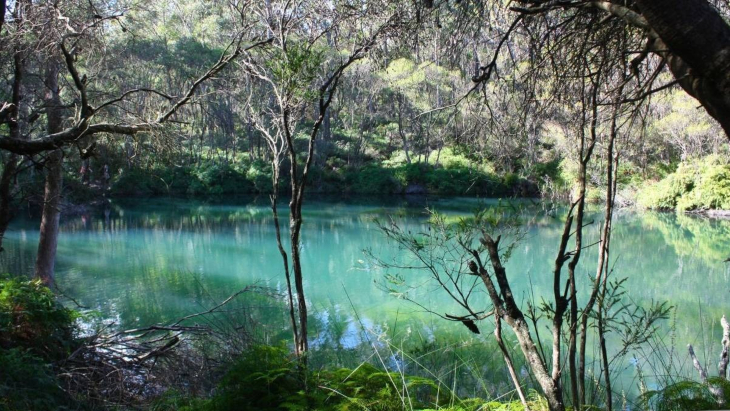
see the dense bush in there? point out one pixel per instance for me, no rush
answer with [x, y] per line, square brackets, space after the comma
[30, 318]
[28, 383]
[219, 178]
[452, 176]
[34, 331]
[698, 185]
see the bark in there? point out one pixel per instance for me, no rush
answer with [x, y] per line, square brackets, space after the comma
[722, 365]
[509, 311]
[716, 390]
[48, 241]
[11, 164]
[698, 40]
[586, 151]
[285, 259]
[508, 361]
[2, 14]
[602, 253]
[46, 257]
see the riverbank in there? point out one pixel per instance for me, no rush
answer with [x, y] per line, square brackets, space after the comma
[49, 363]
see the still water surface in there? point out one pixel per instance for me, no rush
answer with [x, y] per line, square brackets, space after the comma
[150, 261]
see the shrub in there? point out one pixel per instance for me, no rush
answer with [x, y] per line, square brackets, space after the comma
[263, 378]
[259, 175]
[34, 330]
[28, 383]
[685, 396]
[373, 179]
[219, 178]
[30, 317]
[699, 185]
[268, 378]
[712, 191]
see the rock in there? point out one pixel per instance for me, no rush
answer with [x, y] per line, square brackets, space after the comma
[416, 189]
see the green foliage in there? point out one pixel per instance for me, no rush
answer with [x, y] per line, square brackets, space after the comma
[264, 378]
[295, 68]
[219, 178]
[259, 174]
[699, 185]
[205, 179]
[373, 179]
[28, 383]
[268, 378]
[34, 329]
[550, 169]
[30, 317]
[686, 396]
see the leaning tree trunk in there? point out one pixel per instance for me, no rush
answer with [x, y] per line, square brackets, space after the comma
[507, 309]
[46, 258]
[698, 40]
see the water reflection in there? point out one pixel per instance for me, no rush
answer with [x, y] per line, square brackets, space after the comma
[144, 262]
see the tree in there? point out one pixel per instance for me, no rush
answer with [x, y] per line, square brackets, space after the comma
[66, 37]
[691, 38]
[298, 71]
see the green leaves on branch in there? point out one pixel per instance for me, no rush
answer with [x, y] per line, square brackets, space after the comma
[295, 69]
[697, 185]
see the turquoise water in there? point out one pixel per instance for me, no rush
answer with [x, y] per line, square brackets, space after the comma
[148, 261]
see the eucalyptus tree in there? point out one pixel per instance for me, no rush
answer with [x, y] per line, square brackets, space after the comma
[689, 38]
[299, 70]
[64, 43]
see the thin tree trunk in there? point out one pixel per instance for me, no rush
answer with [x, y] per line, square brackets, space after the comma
[604, 247]
[506, 307]
[508, 361]
[284, 257]
[46, 258]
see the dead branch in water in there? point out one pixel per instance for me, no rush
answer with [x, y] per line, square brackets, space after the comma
[129, 367]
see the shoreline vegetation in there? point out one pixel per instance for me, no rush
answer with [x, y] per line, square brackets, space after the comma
[57, 358]
[595, 105]
[700, 187]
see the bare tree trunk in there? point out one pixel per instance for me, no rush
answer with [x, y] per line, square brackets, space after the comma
[284, 256]
[603, 252]
[46, 258]
[2, 13]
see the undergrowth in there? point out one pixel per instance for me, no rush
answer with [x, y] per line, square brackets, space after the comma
[269, 378]
[695, 185]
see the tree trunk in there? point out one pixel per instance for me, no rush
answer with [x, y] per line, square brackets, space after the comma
[699, 42]
[506, 307]
[46, 258]
[11, 164]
